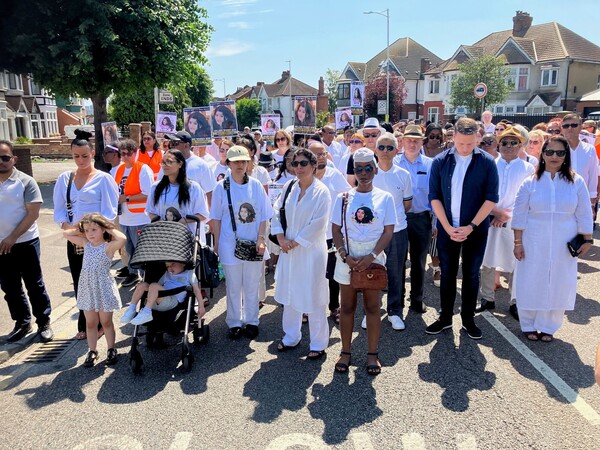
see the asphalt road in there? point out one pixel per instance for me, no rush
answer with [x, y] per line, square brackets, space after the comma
[435, 392]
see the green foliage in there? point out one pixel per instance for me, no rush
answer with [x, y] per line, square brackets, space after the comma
[322, 118]
[486, 69]
[23, 140]
[331, 77]
[200, 88]
[248, 112]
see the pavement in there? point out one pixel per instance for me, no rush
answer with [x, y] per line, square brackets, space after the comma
[435, 392]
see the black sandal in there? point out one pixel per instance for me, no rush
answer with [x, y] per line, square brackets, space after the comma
[545, 337]
[281, 347]
[374, 369]
[112, 356]
[315, 354]
[91, 358]
[341, 367]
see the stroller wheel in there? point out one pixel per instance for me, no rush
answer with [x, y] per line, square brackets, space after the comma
[187, 361]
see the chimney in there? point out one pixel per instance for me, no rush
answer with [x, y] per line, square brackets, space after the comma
[321, 86]
[260, 83]
[425, 65]
[521, 23]
[285, 74]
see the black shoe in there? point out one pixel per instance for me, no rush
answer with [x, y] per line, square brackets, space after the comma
[417, 307]
[18, 333]
[438, 326]
[485, 304]
[91, 358]
[112, 357]
[251, 331]
[123, 272]
[512, 309]
[45, 332]
[472, 330]
[131, 280]
[235, 333]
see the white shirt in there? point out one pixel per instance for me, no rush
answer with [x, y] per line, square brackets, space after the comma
[261, 174]
[585, 163]
[458, 178]
[337, 184]
[397, 182]
[196, 169]
[335, 150]
[510, 176]
[127, 217]
[15, 193]
[219, 172]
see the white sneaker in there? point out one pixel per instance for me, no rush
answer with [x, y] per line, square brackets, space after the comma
[143, 316]
[397, 322]
[129, 314]
[363, 324]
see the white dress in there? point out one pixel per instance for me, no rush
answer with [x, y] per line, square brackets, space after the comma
[550, 212]
[300, 276]
[97, 289]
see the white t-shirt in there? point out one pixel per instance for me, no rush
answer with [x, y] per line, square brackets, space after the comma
[168, 207]
[219, 172]
[176, 280]
[584, 162]
[337, 184]
[208, 159]
[397, 182]
[127, 217]
[251, 206]
[261, 174]
[458, 178]
[367, 214]
[16, 193]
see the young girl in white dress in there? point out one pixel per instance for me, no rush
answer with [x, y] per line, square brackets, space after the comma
[98, 295]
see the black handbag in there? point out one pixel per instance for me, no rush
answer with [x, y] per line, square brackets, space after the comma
[575, 244]
[282, 218]
[244, 249]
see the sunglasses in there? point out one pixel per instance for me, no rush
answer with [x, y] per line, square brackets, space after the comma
[6, 158]
[147, 138]
[367, 169]
[554, 131]
[355, 141]
[168, 162]
[488, 142]
[303, 163]
[280, 139]
[570, 125]
[328, 132]
[389, 148]
[437, 137]
[511, 143]
[559, 153]
[371, 135]
[223, 150]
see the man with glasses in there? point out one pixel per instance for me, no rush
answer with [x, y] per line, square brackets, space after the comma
[489, 144]
[396, 181]
[333, 147]
[463, 190]
[21, 201]
[112, 156]
[512, 170]
[371, 132]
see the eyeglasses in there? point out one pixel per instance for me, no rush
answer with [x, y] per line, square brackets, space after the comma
[511, 143]
[173, 144]
[554, 131]
[486, 142]
[367, 169]
[499, 130]
[535, 142]
[355, 141]
[147, 138]
[303, 163]
[223, 150]
[370, 135]
[280, 139]
[559, 153]
[168, 162]
[570, 125]
[437, 137]
[6, 158]
[389, 148]
[321, 155]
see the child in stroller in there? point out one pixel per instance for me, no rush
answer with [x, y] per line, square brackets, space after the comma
[159, 298]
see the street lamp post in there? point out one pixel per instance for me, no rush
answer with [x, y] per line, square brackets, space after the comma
[290, 92]
[386, 13]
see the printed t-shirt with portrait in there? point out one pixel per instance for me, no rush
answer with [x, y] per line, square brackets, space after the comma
[220, 172]
[176, 280]
[251, 206]
[367, 213]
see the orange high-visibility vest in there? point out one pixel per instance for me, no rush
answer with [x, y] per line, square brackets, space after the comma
[154, 163]
[132, 186]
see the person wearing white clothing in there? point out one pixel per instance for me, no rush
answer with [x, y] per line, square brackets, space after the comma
[552, 207]
[300, 282]
[332, 146]
[498, 255]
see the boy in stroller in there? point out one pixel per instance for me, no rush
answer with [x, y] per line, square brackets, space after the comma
[175, 278]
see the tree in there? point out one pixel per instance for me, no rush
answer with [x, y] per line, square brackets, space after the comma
[248, 112]
[92, 48]
[322, 119]
[376, 90]
[331, 78]
[486, 69]
[201, 88]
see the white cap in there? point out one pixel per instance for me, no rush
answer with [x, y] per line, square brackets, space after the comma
[364, 155]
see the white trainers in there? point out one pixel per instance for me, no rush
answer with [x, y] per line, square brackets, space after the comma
[129, 314]
[397, 322]
[363, 324]
[143, 316]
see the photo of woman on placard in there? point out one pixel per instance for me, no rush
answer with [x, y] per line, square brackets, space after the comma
[270, 125]
[345, 120]
[197, 125]
[166, 125]
[304, 115]
[357, 99]
[223, 118]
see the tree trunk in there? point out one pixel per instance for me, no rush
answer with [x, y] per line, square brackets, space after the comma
[100, 115]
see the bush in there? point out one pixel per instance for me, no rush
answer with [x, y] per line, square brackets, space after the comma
[23, 140]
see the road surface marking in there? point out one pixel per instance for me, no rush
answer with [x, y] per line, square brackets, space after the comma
[413, 441]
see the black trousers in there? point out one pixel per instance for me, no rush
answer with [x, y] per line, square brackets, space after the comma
[419, 239]
[334, 286]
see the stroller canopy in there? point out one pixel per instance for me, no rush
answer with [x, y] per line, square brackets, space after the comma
[164, 241]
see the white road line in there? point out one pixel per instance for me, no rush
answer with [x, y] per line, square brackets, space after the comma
[465, 441]
[565, 390]
[413, 441]
[361, 441]
[182, 441]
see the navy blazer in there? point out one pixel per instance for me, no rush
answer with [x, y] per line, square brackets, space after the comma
[481, 184]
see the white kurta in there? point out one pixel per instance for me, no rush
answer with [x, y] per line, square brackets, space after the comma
[500, 241]
[550, 213]
[300, 276]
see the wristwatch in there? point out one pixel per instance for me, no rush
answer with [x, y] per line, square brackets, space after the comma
[588, 241]
[374, 255]
[126, 199]
[473, 226]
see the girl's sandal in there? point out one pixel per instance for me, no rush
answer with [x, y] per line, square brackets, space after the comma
[374, 369]
[545, 337]
[91, 358]
[342, 367]
[532, 335]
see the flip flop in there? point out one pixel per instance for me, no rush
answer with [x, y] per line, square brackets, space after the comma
[80, 336]
[342, 367]
[545, 337]
[532, 335]
[315, 354]
[281, 347]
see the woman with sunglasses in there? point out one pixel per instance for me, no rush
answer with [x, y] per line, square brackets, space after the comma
[534, 143]
[365, 217]
[355, 142]
[76, 193]
[433, 144]
[300, 283]
[552, 208]
[150, 153]
[555, 127]
[489, 144]
[283, 141]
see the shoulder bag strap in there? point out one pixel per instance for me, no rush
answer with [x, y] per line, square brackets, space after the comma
[69, 205]
[282, 217]
[344, 221]
[227, 186]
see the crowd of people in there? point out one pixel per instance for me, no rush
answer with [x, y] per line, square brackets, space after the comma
[320, 210]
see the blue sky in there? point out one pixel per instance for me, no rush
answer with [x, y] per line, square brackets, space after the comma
[253, 39]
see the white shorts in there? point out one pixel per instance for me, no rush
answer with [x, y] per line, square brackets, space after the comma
[166, 303]
[357, 249]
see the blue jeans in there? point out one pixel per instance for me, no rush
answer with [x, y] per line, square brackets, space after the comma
[23, 263]
[131, 232]
[396, 256]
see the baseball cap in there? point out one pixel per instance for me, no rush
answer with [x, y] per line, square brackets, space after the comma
[183, 136]
[238, 153]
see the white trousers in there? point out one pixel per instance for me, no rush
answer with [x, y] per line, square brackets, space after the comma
[487, 284]
[317, 327]
[262, 284]
[544, 321]
[242, 284]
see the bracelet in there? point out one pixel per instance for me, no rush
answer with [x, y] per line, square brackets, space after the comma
[518, 245]
[374, 255]
[588, 241]
[261, 236]
[340, 250]
[518, 241]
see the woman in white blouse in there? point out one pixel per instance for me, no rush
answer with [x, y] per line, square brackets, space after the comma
[300, 282]
[552, 207]
[89, 190]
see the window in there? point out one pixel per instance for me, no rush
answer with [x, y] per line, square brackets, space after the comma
[13, 81]
[434, 86]
[520, 109]
[549, 77]
[510, 110]
[499, 110]
[519, 78]
[597, 84]
[3, 80]
[344, 91]
[449, 79]
[433, 114]
[35, 89]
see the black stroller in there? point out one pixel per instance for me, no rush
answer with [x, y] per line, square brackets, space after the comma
[158, 243]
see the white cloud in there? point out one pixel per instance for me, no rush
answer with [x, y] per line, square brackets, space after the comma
[228, 48]
[237, 2]
[240, 25]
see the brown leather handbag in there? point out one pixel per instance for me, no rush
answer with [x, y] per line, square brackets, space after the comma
[373, 277]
